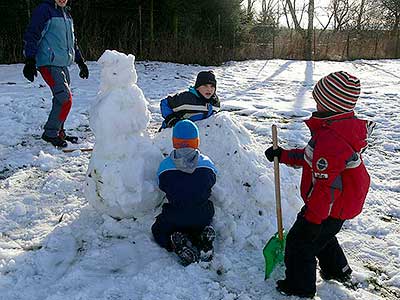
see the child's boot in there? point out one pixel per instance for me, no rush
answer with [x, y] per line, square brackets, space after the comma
[55, 141]
[285, 289]
[182, 246]
[70, 138]
[342, 277]
[207, 237]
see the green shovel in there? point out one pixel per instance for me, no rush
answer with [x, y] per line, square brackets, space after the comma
[275, 248]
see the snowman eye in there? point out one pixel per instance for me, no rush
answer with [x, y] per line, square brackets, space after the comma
[114, 73]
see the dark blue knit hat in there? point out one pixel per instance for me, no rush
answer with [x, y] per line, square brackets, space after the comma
[205, 77]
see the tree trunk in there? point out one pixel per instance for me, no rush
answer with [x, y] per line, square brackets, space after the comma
[294, 16]
[284, 7]
[310, 29]
[360, 15]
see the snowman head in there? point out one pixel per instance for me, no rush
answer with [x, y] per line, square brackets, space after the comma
[118, 70]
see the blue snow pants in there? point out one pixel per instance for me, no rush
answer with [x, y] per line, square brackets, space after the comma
[57, 78]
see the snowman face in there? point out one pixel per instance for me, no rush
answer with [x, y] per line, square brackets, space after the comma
[118, 70]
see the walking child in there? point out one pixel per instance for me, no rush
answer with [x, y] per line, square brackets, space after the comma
[186, 177]
[50, 47]
[334, 185]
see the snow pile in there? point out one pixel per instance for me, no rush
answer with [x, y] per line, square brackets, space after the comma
[244, 195]
[120, 178]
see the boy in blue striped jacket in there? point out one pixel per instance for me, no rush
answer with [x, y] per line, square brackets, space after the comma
[198, 103]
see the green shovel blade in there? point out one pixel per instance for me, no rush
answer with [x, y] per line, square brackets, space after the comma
[273, 253]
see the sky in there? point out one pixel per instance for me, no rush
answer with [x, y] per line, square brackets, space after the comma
[320, 12]
[58, 242]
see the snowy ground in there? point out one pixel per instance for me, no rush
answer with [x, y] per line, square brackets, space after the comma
[53, 245]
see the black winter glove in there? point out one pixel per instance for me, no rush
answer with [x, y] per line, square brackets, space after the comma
[270, 153]
[30, 71]
[84, 71]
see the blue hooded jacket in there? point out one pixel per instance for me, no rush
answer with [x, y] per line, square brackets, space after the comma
[187, 176]
[50, 38]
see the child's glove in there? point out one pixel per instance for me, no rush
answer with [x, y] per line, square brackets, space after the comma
[30, 71]
[270, 153]
[84, 71]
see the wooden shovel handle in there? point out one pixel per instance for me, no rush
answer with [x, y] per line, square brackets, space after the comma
[277, 183]
[79, 149]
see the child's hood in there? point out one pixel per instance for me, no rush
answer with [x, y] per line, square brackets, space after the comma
[353, 130]
[185, 159]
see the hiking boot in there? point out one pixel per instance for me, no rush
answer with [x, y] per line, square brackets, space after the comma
[55, 141]
[283, 287]
[207, 237]
[70, 138]
[342, 278]
[182, 246]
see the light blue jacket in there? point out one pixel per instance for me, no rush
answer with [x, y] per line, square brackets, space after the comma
[50, 37]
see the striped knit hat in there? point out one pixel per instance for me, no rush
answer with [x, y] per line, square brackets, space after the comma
[337, 92]
[185, 134]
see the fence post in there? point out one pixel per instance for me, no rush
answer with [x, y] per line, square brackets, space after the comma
[140, 32]
[219, 40]
[176, 32]
[219, 29]
[376, 44]
[348, 45]
[273, 41]
[314, 44]
[151, 25]
[28, 6]
[398, 43]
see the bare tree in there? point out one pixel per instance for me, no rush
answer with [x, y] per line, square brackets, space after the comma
[286, 13]
[323, 11]
[292, 10]
[393, 9]
[250, 9]
[360, 16]
[269, 12]
[366, 15]
[340, 12]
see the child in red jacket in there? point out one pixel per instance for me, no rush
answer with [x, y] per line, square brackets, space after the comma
[334, 185]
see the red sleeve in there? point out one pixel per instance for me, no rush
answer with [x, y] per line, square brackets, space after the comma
[293, 157]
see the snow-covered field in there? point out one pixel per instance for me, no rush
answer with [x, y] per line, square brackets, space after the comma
[54, 245]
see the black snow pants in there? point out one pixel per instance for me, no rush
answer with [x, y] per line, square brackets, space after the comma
[306, 242]
[190, 221]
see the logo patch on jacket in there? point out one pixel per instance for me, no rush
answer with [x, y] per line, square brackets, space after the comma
[322, 164]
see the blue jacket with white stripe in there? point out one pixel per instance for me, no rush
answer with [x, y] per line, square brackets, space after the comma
[187, 105]
[50, 38]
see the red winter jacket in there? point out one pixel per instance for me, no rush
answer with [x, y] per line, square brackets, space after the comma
[334, 181]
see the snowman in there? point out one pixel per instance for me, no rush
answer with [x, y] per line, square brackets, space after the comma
[121, 178]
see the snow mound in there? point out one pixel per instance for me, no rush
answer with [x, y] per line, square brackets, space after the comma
[243, 196]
